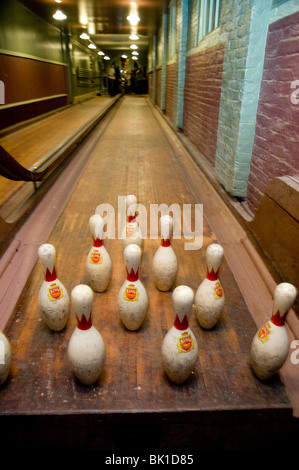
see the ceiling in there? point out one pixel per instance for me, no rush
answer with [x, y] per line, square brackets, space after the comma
[105, 21]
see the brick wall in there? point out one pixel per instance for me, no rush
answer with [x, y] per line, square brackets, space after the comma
[158, 87]
[150, 83]
[244, 26]
[170, 90]
[202, 99]
[276, 150]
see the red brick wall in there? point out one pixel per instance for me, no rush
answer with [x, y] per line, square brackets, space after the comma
[170, 91]
[150, 83]
[202, 99]
[158, 87]
[276, 149]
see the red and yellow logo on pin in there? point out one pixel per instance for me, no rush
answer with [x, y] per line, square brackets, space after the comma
[185, 342]
[218, 291]
[130, 230]
[131, 293]
[95, 257]
[54, 292]
[264, 333]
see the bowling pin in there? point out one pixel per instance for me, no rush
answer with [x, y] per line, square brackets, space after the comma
[86, 348]
[5, 358]
[98, 262]
[165, 263]
[131, 233]
[270, 345]
[53, 299]
[132, 298]
[209, 297]
[179, 347]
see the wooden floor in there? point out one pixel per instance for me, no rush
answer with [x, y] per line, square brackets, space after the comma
[134, 405]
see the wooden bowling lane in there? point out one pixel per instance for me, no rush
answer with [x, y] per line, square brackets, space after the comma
[33, 144]
[136, 155]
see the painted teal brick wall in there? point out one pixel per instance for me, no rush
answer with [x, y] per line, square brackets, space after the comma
[245, 23]
[176, 86]
[178, 26]
[181, 68]
[164, 60]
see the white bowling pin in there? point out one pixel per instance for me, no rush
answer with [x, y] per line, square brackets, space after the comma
[209, 297]
[86, 348]
[179, 347]
[5, 358]
[132, 298]
[131, 233]
[53, 299]
[98, 262]
[165, 262]
[270, 345]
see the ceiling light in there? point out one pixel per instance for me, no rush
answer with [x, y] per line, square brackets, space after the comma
[133, 46]
[58, 1]
[59, 15]
[83, 13]
[92, 46]
[133, 19]
[124, 56]
[84, 36]
[101, 53]
[134, 37]
[106, 57]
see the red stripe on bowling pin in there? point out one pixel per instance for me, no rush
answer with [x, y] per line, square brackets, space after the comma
[50, 276]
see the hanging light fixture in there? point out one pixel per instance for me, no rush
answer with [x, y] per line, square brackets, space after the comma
[101, 53]
[92, 46]
[134, 37]
[106, 57]
[133, 18]
[133, 46]
[84, 36]
[58, 15]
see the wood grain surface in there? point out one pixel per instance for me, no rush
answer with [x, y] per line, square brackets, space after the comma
[31, 145]
[134, 157]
